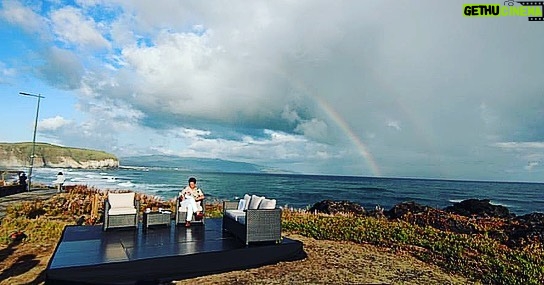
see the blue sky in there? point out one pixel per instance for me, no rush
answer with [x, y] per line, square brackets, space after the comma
[366, 88]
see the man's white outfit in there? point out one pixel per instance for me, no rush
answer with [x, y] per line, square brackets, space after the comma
[191, 205]
[189, 202]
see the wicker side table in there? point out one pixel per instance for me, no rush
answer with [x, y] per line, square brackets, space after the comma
[156, 219]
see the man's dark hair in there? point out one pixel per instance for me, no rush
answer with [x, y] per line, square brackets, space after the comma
[192, 179]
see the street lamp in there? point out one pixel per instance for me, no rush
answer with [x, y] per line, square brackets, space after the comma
[34, 137]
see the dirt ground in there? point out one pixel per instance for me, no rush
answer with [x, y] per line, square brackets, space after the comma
[331, 262]
[24, 263]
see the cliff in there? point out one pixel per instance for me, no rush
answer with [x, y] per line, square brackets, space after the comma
[14, 155]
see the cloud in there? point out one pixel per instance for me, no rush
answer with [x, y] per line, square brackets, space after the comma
[73, 28]
[271, 148]
[62, 68]
[103, 126]
[7, 73]
[52, 124]
[520, 145]
[15, 13]
[304, 84]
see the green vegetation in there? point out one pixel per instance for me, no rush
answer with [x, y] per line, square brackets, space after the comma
[51, 153]
[475, 256]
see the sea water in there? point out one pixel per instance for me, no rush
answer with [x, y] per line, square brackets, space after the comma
[302, 191]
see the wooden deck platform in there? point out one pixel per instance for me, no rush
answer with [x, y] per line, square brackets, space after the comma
[87, 255]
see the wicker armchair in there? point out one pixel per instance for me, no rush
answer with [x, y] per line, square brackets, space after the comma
[255, 225]
[121, 211]
[181, 214]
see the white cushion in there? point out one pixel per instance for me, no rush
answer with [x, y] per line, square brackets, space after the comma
[122, 211]
[247, 198]
[255, 201]
[121, 200]
[268, 204]
[237, 215]
[241, 205]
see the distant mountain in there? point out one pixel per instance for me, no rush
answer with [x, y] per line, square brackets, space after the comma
[195, 164]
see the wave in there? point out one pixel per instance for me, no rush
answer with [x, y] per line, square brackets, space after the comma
[127, 184]
[490, 202]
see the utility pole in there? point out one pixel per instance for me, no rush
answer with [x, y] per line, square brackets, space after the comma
[34, 137]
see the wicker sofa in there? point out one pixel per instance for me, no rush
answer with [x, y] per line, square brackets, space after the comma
[253, 219]
[121, 211]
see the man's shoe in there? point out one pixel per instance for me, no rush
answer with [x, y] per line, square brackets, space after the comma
[187, 224]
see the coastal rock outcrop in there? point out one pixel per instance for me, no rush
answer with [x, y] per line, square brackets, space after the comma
[399, 210]
[424, 216]
[334, 207]
[68, 162]
[17, 155]
[529, 227]
[475, 216]
[479, 208]
[470, 216]
[61, 162]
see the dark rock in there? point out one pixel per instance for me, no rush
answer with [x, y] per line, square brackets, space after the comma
[378, 212]
[526, 228]
[399, 210]
[536, 219]
[334, 207]
[479, 208]
[425, 216]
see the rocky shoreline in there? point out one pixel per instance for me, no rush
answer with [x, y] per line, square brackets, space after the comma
[471, 216]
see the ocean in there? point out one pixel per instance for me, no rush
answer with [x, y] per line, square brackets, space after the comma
[302, 191]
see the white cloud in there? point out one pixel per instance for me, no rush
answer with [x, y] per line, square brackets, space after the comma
[72, 27]
[15, 13]
[313, 129]
[193, 133]
[520, 145]
[53, 124]
[7, 73]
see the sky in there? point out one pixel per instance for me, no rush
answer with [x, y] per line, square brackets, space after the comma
[373, 88]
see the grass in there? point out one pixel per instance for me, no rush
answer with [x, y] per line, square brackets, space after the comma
[477, 257]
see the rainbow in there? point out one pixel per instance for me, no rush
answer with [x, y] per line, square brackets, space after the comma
[337, 119]
[361, 147]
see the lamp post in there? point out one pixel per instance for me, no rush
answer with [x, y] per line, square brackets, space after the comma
[34, 137]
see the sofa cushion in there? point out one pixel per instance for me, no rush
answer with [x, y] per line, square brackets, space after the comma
[122, 211]
[242, 205]
[255, 201]
[268, 204]
[121, 200]
[237, 215]
[247, 198]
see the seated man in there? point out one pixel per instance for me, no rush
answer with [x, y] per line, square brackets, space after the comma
[190, 198]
